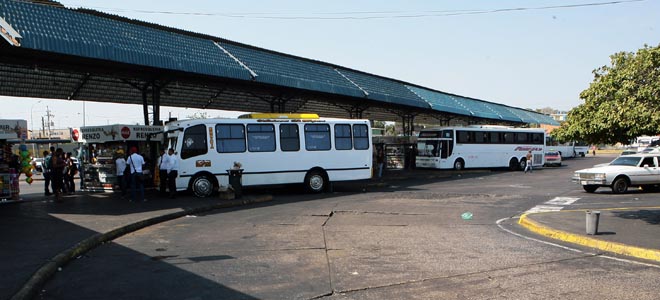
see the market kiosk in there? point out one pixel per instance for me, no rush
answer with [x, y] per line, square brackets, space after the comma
[102, 145]
[11, 164]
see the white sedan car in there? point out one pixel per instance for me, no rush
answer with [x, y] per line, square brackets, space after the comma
[623, 172]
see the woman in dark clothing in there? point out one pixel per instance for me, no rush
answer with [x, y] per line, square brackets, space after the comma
[58, 164]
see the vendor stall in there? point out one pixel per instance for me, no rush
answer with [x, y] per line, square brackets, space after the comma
[11, 163]
[102, 145]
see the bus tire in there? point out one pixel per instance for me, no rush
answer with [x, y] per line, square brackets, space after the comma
[316, 181]
[513, 164]
[202, 185]
[523, 163]
[459, 164]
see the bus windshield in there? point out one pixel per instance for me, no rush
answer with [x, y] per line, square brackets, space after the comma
[428, 148]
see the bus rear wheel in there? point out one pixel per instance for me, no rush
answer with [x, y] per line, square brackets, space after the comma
[202, 186]
[459, 164]
[315, 181]
[513, 164]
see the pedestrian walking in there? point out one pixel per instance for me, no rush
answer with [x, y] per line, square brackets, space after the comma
[57, 175]
[380, 161]
[530, 161]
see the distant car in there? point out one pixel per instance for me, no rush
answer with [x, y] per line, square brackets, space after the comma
[623, 172]
[553, 158]
[650, 150]
[38, 164]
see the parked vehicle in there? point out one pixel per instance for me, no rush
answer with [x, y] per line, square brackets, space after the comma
[552, 158]
[625, 171]
[38, 164]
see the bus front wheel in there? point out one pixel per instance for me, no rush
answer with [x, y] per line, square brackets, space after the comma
[202, 186]
[315, 181]
[459, 164]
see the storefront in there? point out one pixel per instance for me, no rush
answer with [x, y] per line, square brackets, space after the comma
[11, 164]
[102, 145]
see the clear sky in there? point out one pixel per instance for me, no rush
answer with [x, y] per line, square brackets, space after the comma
[530, 58]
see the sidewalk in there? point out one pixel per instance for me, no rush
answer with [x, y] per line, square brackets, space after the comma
[38, 235]
[630, 231]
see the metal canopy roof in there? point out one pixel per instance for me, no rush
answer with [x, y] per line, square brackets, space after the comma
[61, 53]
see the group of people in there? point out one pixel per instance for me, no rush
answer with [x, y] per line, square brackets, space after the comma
[59, 172]
[129, 173]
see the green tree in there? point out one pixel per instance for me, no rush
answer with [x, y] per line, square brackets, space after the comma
[623, 101]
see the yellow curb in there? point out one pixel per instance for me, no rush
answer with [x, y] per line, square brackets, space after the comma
[618, 248]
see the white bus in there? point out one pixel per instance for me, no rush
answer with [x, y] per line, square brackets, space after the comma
[479, 146]
[567, 149]
[271, 149]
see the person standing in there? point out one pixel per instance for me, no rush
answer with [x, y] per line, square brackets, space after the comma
[528, 165]
[57, 174]
[172, 172]
[71, 171]
[120, 165]
[135, 162]
[47, 171]
[163, 166]
[380, 161]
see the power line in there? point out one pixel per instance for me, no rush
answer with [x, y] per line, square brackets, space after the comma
[367, 15]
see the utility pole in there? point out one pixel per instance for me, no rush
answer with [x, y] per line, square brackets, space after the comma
[49, 122]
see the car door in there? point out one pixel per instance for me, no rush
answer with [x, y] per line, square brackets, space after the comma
[647, 172]
[655, 171]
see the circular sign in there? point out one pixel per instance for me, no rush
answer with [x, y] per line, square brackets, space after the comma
[76, 134]
[125, 132]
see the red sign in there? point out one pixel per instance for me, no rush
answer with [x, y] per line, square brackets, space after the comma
[125, 132]
[75, 134]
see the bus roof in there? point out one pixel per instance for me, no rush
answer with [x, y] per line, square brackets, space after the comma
[278, 116]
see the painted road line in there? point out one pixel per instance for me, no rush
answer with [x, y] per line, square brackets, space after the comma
[618, 248]
[554, 204]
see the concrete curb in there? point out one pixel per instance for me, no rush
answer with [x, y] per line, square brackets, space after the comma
[614, 247]
[39, 278]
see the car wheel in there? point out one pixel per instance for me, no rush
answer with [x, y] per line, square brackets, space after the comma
[315, 181]
[202, 186]
[620, 185]
[459, 164]
[590, 188]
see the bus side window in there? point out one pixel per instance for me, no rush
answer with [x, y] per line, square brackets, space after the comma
[230, 138]
[361, 137]
[261, 137]
[317, 137]
[343, 140]
[289, 137]
[194, 141]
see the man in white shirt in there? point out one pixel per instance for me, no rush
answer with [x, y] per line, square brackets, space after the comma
[135, 162]
[172, 172]
[120, 164]
[163, 166]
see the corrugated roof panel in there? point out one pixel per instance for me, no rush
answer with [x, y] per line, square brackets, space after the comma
[384, 89]
[502, 111]
[289, 71]
[439, 101]
[68, 32]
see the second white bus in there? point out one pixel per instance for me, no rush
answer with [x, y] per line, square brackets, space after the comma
[479, 146]
[271, 149]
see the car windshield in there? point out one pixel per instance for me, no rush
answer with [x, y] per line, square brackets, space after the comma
[626, 161]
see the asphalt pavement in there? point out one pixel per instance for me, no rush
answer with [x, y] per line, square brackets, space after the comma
[40, 236]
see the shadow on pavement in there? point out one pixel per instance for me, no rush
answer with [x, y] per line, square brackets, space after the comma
[649, 216]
